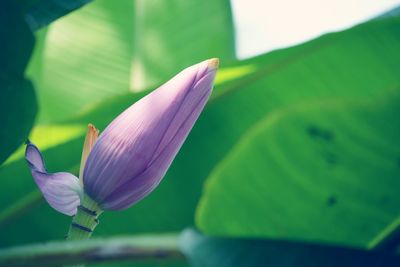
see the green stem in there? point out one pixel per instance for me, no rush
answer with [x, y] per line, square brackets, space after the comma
[142, 248]
[85, 220]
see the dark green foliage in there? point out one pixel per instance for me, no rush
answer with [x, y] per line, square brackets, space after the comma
[204, 251]
[17, 98]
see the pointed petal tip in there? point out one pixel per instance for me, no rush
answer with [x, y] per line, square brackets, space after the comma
[34, 158]
[28, 148]
[213, 64]
[90, 139]
[93, 129]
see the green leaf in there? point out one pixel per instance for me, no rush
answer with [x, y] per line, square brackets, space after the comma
[17, 41]
[17, 99]
[302, 170]
[39, 13]
[107, 47]
[205, 251]
[171, 35]
[323, 68]
[85, 58]
[18, 109]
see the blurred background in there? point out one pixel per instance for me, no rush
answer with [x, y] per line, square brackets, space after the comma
[263, 26]
[295, 160]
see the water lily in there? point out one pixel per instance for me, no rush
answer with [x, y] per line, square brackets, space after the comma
[129, 158]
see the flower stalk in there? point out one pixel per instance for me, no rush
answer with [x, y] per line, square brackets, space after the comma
[85, 220]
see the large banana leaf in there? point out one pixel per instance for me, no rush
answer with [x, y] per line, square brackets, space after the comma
[171, 35]
[89, 55]
[76, 53]
[324, 171]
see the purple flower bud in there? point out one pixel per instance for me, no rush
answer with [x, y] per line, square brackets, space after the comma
[134, 152]
[132, 155]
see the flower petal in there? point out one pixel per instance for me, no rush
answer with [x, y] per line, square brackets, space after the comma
[91, 137]
[147, 134]
[61, 190]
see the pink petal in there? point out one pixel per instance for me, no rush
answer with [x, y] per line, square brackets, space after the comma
[61, 190]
